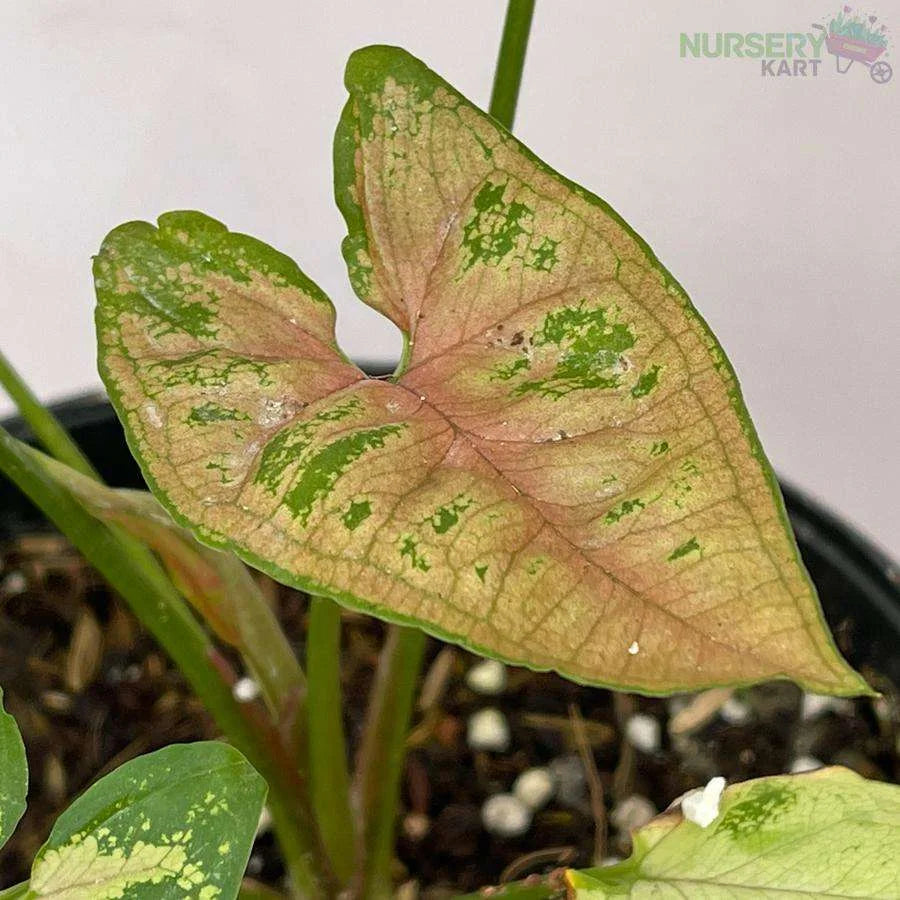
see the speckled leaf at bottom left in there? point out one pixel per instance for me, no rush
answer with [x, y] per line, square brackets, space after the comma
[13, 774]
[177, 823]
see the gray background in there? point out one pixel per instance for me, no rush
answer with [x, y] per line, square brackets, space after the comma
[774, 201]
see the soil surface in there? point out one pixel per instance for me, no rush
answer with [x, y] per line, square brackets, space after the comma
[91, 690]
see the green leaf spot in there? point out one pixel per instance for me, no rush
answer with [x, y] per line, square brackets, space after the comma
[505, 371]
[659, 448]
[764, 804]
[646, 382]
[687, 547]
[209, 369]
[481, 571]
[591, 346]
[409, 547]
[543, 257]
[288, 446]
[356, 514]
[445, 517]
[495, 227]
[324, 468]
[211, 412]
[623, 509]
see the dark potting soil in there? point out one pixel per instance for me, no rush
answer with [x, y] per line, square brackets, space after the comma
[91, 690]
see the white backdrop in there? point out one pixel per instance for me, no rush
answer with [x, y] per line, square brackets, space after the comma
[774, 201]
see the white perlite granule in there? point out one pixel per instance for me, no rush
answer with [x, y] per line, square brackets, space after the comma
[488, 730]
[487, 677]
[245, 690]
[535, 787]
[643, 733]
[505, 815]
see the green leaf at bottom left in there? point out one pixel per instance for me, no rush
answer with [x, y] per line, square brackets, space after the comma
[13, 774]
[176, 823]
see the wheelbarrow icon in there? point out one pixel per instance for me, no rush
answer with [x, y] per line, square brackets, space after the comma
[852, 50]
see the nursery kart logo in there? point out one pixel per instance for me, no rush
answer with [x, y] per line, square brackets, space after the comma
[849, 37]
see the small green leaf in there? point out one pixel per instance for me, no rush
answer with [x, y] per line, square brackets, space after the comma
[13, 774]
[564, 476]
[172, 824]
[828, 833]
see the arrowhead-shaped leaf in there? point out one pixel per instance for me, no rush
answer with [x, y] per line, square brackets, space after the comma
[829, 833]
[175, 823]
[564, 476]
[13, 774]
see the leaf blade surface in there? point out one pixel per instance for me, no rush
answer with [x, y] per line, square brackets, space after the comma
[828, 833]
[564, 476]
[178, 822]
[13, 774]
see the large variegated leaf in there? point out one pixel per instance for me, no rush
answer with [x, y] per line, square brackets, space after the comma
[828, 833]
[564, 476]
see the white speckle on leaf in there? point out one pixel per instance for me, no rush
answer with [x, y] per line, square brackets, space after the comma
[643, 732]
[245, 690]
[488, 730]
[151, 411]
[487, 677]
[534, 787]
[273, 412]
[505, 815]
[392, 406]
[634, 648]
[702, 805]
[805, 764]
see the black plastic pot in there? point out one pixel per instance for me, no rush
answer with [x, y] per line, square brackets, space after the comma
[858, 585]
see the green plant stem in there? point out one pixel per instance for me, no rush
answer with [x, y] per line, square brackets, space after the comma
[381, 756]
[511, 61]
[329, 780]
[266, 650]
[135, 574]
[17, 890]
[42, 422]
